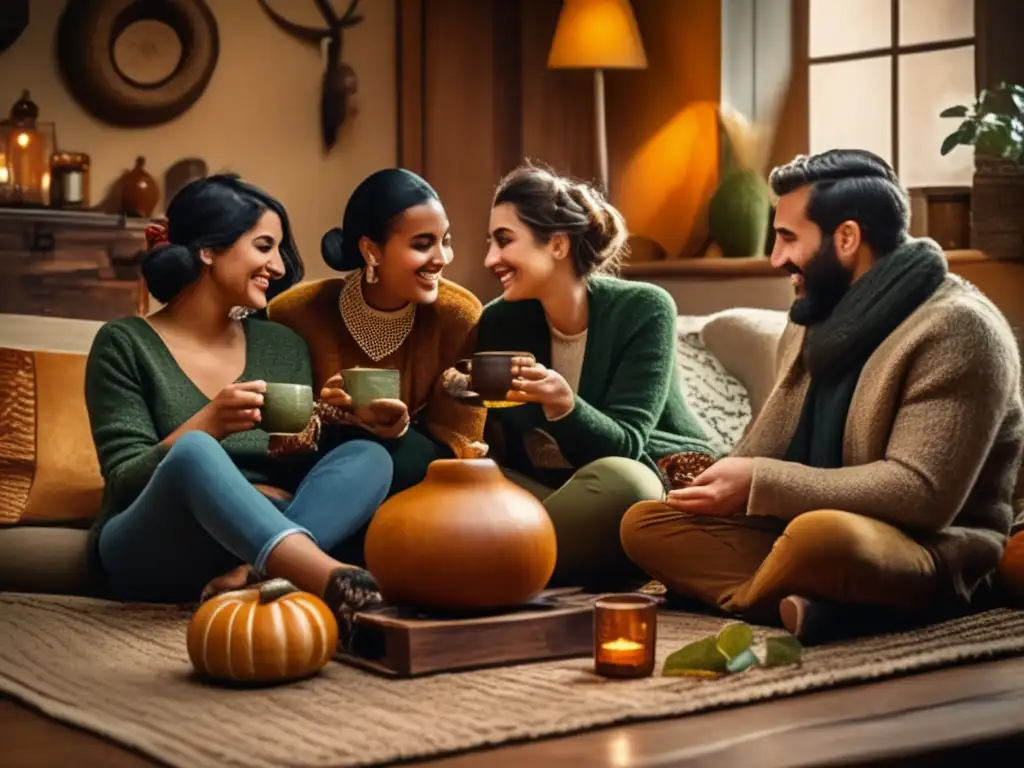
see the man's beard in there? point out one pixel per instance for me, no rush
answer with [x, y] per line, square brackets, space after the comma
[826, 281]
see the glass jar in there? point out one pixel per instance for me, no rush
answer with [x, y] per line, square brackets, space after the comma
[69, 180]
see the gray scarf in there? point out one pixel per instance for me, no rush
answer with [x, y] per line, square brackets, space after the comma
[836, 349]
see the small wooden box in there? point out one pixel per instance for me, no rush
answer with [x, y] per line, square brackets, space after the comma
[401, 643]
[943, 214]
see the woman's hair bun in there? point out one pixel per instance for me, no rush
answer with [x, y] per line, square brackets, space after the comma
[339, 252]
[607, 232]
[168, 269]
[592, 203]
[332, 248]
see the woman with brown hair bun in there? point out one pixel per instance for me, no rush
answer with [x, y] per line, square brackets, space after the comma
[603, 400]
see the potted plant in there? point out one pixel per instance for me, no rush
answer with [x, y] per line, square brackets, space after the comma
[994, 126]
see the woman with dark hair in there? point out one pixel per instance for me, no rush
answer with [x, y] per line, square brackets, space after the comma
[391, 309]
[603, 401]
[174, 402]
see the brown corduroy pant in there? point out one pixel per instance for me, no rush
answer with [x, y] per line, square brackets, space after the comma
[746, 565]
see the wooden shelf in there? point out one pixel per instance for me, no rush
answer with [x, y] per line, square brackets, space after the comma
[721, 268]
[71, 218]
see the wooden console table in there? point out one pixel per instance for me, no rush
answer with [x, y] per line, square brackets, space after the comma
[76, 264]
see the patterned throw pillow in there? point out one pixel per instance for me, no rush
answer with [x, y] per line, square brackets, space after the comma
[715, 396]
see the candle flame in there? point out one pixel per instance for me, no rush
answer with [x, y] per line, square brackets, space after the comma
[23, 139]
[622, 644]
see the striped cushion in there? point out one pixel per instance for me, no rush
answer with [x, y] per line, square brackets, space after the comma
[49, 472]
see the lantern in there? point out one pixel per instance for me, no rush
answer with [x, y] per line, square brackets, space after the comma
[625, 633]
[25, 148]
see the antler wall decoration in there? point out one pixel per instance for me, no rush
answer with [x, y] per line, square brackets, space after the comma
[339, 81]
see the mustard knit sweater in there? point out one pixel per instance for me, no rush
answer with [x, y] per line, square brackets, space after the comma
[441, 427]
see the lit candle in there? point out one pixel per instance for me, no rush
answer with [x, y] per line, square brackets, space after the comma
[625, 628]
[623, 651]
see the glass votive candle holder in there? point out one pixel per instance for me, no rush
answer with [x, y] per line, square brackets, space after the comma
[625, 633]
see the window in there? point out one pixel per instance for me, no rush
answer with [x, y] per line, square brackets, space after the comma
[880, 73]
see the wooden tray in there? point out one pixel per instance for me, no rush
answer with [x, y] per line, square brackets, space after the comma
[399, 642]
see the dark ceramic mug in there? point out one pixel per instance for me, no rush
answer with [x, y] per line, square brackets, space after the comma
[287, 408]
[490, 373]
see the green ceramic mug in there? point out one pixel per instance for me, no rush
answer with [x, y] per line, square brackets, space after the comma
[287, 408]
[364, 385]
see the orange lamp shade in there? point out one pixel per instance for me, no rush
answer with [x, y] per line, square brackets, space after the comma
[597, 34]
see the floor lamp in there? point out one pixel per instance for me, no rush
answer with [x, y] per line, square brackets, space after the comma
[598, 35]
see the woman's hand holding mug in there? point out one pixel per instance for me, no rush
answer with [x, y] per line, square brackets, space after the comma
[236, 408]
[334, 394]
[534, 382]
[386, 418]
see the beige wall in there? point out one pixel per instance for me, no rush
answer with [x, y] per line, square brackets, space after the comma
[697, 296]
[259, 116]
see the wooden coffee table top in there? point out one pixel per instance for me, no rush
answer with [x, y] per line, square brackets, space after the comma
[972, 713]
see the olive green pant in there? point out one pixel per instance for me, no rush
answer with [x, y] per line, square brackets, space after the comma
[587, 512]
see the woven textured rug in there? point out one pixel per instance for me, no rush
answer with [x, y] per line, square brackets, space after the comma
[122, 671]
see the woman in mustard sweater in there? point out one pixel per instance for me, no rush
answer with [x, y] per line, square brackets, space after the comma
[174, 404]
[603, 399]
[390, 308]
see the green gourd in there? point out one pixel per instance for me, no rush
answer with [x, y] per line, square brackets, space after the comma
[738, 214]
[740, 208]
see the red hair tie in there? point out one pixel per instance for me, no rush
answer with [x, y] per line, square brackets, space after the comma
[156, 234]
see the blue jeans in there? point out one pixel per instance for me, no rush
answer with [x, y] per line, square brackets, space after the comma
[199, 517]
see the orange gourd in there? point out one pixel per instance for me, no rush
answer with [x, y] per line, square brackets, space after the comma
[669, 180]
[271, 632]
[464, 539]
[1011, 567]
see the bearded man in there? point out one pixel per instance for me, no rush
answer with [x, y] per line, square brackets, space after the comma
[877, 479]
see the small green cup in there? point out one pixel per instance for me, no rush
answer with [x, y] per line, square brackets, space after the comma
[287, 408]
[364, 385]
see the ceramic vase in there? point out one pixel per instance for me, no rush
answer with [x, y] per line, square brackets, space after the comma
[465, 539]
[139, 191]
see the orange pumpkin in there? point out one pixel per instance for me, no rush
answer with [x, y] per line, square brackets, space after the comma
[1011, 567]
[271, 632]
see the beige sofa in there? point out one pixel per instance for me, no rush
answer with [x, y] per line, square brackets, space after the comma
[50, 485]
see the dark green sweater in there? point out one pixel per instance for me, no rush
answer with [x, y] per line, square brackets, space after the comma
[137, 395]
[629, 401]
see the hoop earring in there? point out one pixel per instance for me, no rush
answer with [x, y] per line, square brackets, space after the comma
[371, 273]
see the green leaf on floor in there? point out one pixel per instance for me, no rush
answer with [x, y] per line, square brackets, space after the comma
[699, 659]
[734, 640]
[742, 661]
[782, 650]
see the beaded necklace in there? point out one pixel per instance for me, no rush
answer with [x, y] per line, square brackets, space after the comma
[377, 333]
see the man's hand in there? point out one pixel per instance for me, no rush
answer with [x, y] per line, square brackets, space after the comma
[721, 490]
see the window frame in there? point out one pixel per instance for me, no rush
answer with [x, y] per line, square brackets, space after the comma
[894, 51]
